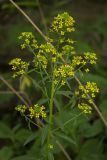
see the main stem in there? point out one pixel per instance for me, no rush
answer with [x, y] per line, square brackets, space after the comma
[50, 112]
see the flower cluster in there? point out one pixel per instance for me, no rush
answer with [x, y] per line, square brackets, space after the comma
[45, 51]
[21, 108]
[19, 66]
[68, 49]
[77, 60]
[87, 93]
[28, 39]
[37, 111]
[60, 54]
[47, 48]
[63, 23]
[81, 61]
[64, 71]
[40, 60]
[90, 57]
[87, 58]
[90, 88]
[33, 112]
[85, 107]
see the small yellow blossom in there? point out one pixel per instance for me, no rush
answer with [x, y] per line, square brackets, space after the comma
[85, 108]
[76, 93]
[21, 108]
[90, 57]
[63, 82]
[19, 66]
[28, 39]
[50, 146]
[64, 71]
[39, 111]
[40, 60]
[63, 23]
[56, 82]
[31, 112]
[87, 92]
[68, 49]
[87, 70]
[90, 101]
[47, 48]
[76, 61]
[90, 88]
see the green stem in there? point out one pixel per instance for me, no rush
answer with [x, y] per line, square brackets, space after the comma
[44, 84]
[51, 112]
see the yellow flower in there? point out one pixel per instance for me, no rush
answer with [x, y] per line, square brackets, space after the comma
[87, 70]
[21, 108]
[50, 146]
[64, 71]
[68, 49]
[28, 39]
[47, 48]
[31, 112]
[63, 82]
[63, 23]
[85, 108]
[39, 111]
[87, 93]
[40, 60]
[19, 66]
[90, 57]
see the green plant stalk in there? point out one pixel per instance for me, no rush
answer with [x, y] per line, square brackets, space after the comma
[46, 94]
[51, 111]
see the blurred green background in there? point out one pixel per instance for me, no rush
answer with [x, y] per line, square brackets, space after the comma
[91, 35]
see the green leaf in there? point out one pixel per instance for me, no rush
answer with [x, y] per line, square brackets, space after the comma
[57, 104]
[30, 138]
[91, 130]
[90, 150]
[22, 135]
[6, 153]
[63, 136]
[65, 93]
[42, 101]
[44, 131]
[50, 156]
[4, 129]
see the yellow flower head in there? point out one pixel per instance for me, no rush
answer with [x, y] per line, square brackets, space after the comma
[85, 107]
[28, 39]
[90, 57]
[64, 71]
[63, 23]
[21, 108]
[19, 66]
[37, 111]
